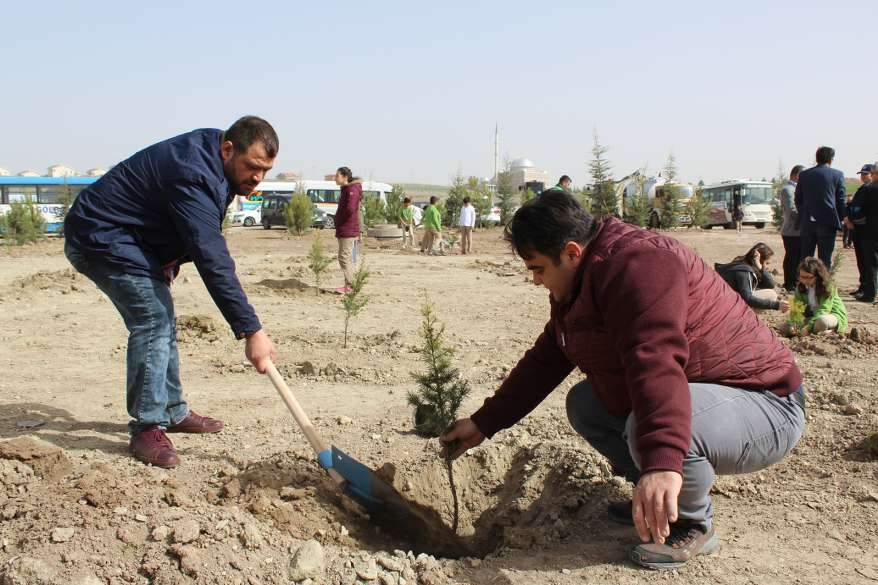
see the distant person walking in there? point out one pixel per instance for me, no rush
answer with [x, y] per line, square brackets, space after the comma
[820, 201]
[863, 216]
[432, 226]
[789, 230]
[407, 223]
[854, 219]
[738, 218]
[347, 223]
[563, 185]
[466, 223]
[130, 231]
[748, 275]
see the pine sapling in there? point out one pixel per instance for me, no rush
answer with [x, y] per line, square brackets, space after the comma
[318, 260]
[354, 301]
[440, 392]
[796, 317]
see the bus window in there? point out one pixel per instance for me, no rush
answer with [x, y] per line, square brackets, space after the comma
[329, 195]
[20, 193]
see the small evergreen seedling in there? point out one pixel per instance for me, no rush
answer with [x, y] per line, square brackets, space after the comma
[318, 260]
[440, 391]
[354, 301]
[837, 261]
[796, 317]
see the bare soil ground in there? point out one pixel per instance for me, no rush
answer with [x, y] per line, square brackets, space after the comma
[75, 508]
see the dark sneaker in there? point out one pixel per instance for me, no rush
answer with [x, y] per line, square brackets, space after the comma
[685, 543]
[621, 512]
[153, 446]
[195, 423]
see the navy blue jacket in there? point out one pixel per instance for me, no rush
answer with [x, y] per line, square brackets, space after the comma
[164, 206]
[820, 194]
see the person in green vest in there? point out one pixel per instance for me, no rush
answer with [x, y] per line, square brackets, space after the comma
[432, 226]
[824, 309]
[407, 223]
[563, 185]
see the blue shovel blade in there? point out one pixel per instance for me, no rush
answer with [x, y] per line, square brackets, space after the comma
[362, 483]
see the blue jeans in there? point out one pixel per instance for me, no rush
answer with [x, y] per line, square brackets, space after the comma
[819, 237]
[733, 431]
[153, 390]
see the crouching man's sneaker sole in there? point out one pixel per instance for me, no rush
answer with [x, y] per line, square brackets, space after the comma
[662, 557]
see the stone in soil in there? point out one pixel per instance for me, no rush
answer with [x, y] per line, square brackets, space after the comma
[186, 531]
[366, 570]
[45, 459]
[307, 561]
[63, 534]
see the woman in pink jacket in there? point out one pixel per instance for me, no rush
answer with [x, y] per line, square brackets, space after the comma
[347, 223]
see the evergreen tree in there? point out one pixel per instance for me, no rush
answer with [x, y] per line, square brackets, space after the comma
[440, 392]
[394, 204]
[638, 206]
[354, 301]
[299, 212]
[505, 196]
[603, 195]
[671, 207]
[697, 209]
[318, 260]
[23, 223]
[458, 190]
[670, 168]
[527, 195]
[374, 210]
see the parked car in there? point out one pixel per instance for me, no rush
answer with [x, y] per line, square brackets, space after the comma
[273, 213]
[247, 218]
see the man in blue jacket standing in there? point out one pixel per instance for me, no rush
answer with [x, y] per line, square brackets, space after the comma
[131, 230]
[820, 200]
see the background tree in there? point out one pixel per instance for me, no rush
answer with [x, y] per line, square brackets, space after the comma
[23, 223]
[670, 170]
[440, 392]
[697, 209]
[505, 196]
[65, 200]
[638, 206]
[481, 197]
[374, 210]
[318, 260]
[527, 195]
[354, 301]
[603, 194]
[299, 212]
[394, 204]
[671, 206]
[452, 204]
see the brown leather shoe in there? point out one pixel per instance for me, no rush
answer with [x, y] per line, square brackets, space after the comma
[153, 446]
[195, 423]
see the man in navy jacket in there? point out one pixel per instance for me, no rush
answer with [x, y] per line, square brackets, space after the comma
[131, 230]
[820, 197]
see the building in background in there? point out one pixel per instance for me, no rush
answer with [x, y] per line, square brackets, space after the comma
[60, 171]
[28, 173]
[525, 174]
[95, 172]
[287, 176]
[4, 173]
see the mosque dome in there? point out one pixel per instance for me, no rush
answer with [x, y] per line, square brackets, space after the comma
[522, 163]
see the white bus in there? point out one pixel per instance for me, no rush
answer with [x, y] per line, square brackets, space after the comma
[324, 194]
[754, 197]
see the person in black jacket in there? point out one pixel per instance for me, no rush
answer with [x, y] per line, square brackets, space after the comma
[131, 230]
[749, 276]
[856, 221]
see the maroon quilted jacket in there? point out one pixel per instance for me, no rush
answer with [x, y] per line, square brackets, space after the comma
[649, 316]
[347, 216]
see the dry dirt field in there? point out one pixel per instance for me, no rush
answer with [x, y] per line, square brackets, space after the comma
[74, 508]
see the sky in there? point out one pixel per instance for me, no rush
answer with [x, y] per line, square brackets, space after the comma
[411, 91]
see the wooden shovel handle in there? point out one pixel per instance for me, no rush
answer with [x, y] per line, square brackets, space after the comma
[299, 415]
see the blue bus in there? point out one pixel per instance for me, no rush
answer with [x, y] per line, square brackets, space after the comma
[43, 192]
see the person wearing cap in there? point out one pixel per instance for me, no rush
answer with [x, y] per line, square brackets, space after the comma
[862, 220]
[789, 230]
[821, 202]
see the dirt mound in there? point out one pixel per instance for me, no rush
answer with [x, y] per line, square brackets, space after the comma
[46, 460]
[196, 328]
[505, 269]
[61, 281]
[286, 286]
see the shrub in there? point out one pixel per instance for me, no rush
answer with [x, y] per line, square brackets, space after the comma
[298, 214]
[318, 260]
[23, 223]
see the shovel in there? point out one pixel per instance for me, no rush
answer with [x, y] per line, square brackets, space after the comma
[421, 527]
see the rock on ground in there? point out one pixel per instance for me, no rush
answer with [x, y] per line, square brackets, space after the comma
[307, 562]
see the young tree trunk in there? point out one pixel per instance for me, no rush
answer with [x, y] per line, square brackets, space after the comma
[449, 464]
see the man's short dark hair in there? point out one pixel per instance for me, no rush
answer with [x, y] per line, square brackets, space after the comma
[407, 200]
[545, 225]
[466, 199]
[825, 155]
[564, 178]
[796, 170]
[433, 199]
[249, 129]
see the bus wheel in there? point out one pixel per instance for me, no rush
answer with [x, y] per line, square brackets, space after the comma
[266, 224]
[330, 223]
[760, 225]
[729, 226]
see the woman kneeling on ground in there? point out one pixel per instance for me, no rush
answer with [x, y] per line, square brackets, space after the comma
[748, 275]
[824, 309]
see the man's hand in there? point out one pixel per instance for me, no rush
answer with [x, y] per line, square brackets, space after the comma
[260, 350]
[655, 504]
[849, 223]
[462, 435]
[784, 306]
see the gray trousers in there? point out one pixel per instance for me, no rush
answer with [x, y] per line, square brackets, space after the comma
[733, 431]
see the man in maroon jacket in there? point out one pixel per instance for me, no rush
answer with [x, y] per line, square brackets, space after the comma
[684, 382]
